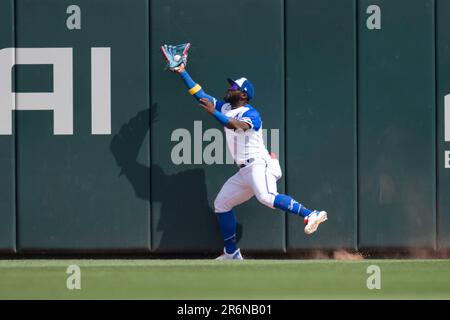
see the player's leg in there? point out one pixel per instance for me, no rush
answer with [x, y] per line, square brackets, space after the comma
[234, 192]
[312, 219]
[263, 181]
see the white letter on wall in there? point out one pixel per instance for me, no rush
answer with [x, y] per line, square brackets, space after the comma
[374, 21]
[101, 90]
[60, 100]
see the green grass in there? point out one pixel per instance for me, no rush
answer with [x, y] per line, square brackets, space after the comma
[204, 279]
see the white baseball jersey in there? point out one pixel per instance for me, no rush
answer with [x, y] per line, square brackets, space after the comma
[244, 145]
[257, 178]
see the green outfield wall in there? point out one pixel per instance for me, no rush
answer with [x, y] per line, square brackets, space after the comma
[396, 125]
[103, 150]
[321, 118]
[74, 190]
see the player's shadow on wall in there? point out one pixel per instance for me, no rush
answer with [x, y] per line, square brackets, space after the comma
[184, 220]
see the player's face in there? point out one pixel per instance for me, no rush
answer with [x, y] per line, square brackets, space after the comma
[233, 94]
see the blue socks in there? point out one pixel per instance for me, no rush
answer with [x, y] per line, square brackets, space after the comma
[227, 223]
[286, 203]
[227, 220]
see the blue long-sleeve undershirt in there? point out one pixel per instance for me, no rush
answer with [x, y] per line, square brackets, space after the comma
[200, 93]
[191, 84]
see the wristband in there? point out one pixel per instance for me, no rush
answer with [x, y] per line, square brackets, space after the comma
[194, 89]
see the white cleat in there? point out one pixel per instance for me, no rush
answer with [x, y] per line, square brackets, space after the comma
[233, 256]
[314, 219]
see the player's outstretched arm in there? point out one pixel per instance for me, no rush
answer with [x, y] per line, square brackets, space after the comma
[228, 122]
[194, 89]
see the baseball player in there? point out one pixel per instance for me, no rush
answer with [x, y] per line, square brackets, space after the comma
[258, 172]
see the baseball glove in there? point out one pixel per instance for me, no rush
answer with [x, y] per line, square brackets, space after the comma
[175, 55]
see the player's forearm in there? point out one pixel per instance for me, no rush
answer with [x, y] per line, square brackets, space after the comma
[236, 125]
[194, 88]
[228, 122]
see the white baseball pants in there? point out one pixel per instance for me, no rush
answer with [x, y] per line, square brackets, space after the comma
[258, 178]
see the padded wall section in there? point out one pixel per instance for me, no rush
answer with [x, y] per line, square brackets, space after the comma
[321, 119]
[228, 39]
[396, 138]
[88, 189]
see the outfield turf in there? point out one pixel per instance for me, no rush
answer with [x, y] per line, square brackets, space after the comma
[204, 279]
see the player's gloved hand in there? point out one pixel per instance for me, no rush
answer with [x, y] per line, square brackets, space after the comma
[176, 56]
